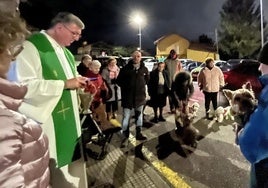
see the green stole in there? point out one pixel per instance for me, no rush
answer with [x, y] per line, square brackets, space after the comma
[63, 115]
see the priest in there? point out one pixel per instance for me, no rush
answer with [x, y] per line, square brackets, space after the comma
[48, 68]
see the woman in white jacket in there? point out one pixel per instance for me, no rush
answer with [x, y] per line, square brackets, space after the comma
[24, 155]
[210, 80]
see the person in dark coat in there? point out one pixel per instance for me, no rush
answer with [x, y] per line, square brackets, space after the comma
[158, 89]
[132, 79]
[181, 90]
[83, 67]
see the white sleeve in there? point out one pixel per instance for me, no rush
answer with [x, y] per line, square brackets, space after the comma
[43, 95]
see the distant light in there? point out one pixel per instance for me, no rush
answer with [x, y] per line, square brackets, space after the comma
[138, 18]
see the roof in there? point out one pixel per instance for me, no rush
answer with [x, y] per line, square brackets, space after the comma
[166, 36]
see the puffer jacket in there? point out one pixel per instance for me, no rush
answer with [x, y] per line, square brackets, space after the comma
[210, 80]
[24, 155]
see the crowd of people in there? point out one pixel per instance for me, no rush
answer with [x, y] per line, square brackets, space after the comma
[40, 118]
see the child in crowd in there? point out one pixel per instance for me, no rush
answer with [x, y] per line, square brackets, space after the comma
[110, 73]
[98, 87]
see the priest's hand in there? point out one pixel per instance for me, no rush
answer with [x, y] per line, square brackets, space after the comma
[75, 83]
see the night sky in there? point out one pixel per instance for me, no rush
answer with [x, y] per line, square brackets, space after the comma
[109, 20]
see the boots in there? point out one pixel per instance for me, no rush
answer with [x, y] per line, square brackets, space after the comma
[139, 135]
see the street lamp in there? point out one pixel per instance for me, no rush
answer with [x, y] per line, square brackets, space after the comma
[138, 19]
[262, 41]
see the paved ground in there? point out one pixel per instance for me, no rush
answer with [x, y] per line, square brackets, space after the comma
[163, 162]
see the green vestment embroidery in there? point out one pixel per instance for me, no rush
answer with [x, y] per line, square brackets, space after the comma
[63, 115]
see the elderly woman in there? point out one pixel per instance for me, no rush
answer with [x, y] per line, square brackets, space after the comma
[158, 89]
[24, 156]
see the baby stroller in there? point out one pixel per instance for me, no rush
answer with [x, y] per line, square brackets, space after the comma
[95, 138]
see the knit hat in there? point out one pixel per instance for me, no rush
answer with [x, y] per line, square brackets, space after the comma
[263, 56]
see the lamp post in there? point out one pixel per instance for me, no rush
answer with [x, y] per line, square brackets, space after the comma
[138, 19]
[262, 41]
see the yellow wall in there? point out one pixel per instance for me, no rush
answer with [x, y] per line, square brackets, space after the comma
[200, 55]
[170, 42]
[181, 45]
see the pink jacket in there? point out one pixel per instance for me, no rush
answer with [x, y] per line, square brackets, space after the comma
[24, 156]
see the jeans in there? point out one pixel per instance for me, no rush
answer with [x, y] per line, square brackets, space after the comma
[127, 115]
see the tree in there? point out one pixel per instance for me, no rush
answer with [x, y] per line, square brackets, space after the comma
[205, 39]
[239, 34]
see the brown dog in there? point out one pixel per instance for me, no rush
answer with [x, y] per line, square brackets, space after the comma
[184, 117]
[242, 104]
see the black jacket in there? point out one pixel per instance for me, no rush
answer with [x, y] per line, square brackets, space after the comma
[182, 87]
[82, 69]
[132, 85]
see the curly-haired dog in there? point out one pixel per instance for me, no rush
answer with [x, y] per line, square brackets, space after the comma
[242, 104]
[194, 108]
[222, 113]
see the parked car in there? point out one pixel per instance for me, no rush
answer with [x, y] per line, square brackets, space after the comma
[151, 64]
[192, 65]
[242, 72]
[196, 71]
[219, 62]
[228, 65]
[185, 62]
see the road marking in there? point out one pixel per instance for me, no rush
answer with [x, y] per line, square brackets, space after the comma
[173, 177]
